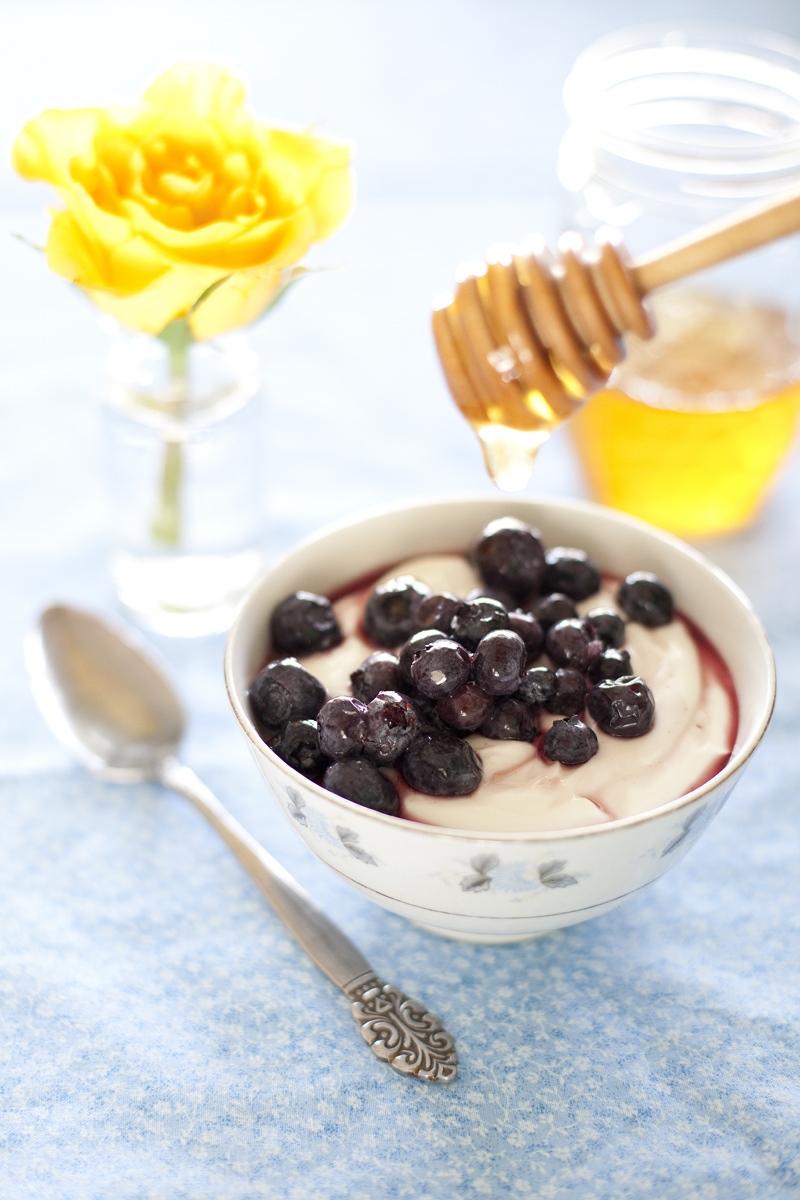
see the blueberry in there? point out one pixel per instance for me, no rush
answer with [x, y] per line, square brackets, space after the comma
[570, 742]
[573, 643]
[549, 610]
[536, 687]
[510, 720]
[473, 621]
[488, 593]
[359, 780]
[436, 611]
[390, 613]
[509, 555]
[304, 624]
[571, 572]
[611, 664]
[392, 725]
[608, 625]
[644, 598]
[285, 691]
[529, 629]
[465, 709]
[440, 667]
[342, 727]
[408, 652]
[622, 707]
[378, 673]
[441, 765]
[569, 696]
[298, 746]
[498, 663]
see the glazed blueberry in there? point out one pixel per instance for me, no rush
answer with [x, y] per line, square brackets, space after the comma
[573, 643]
[440, 667]
[390, 614]
[298, 746]
[428, 712]
[436, 611]
[608, 625]
[304, 624]
[498, 663]
[570, 742]
[622, 707]
[644, 598]
[408, 652]
[529, 629]
[549, 610]
[473, 621]
[536, 687]
[509, 555]
[571, 572]
[359, 780]
[342, 727]
[489, 593]
[611, 664]
[285, 691]
[392, 725]
[569, 696]
[441, 765]
[465, 709]
[510, 720]
[378, 673]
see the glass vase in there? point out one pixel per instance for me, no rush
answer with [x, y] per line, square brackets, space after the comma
[185, 452]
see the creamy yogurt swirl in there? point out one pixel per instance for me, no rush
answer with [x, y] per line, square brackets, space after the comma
[521, 792]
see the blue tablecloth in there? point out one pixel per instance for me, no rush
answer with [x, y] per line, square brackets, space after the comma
[162, 1036]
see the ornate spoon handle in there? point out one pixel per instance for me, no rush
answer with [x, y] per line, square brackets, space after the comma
[400, 1031]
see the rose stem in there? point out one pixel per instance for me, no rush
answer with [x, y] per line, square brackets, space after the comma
[166, 526]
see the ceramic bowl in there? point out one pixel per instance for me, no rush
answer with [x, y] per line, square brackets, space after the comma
[506, 886]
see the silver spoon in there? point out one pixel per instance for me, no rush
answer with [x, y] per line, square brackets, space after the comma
[109, 703]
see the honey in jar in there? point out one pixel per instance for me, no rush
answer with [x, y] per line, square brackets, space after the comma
[698, 418]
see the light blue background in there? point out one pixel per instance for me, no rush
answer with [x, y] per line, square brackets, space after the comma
[162, 1037]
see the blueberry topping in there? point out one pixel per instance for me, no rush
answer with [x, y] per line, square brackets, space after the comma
[611, 664]
[536, 687]
[570, 742]
[440, 667]
[441, 765]
[390, 614]
[608, 625]
[549, 610]
[573, 643]
[571, 572]
[498, 663]
[304, 624]
[298, 746]
[392, 725]
[285, 691]
[529, 629]
[509, 555]
[644, 598]
[622, 707]
[359, 780]
[511, 721]
[342, 727]
[378, 673]
[436, 611]
[489, 593]
[408, 652]
[465, 709]
[569, 696]
[473, 621]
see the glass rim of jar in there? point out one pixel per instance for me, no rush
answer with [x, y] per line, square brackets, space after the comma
[646, 73]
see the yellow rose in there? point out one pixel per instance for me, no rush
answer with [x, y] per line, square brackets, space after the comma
[180, 194]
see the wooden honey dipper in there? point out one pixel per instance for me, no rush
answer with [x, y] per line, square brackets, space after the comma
[528, 338]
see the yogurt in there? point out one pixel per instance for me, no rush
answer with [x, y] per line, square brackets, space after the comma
[690, 739]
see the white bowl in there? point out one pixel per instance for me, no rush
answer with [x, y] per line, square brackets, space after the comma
[506, 886]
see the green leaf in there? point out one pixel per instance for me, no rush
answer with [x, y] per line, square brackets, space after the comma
[208, 292]
[27, 242]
